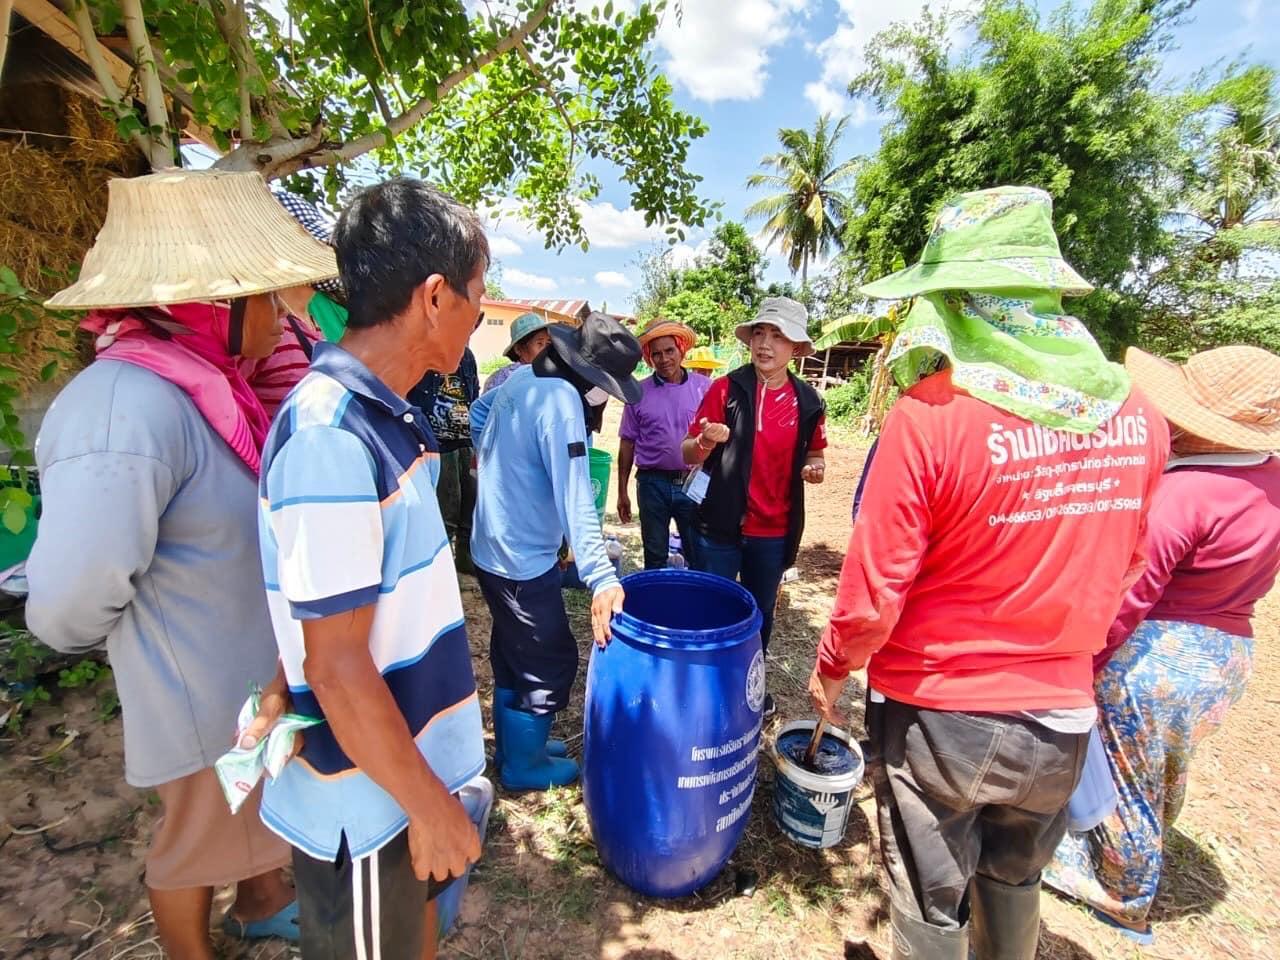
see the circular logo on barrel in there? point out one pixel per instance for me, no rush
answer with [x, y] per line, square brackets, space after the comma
[755, 683]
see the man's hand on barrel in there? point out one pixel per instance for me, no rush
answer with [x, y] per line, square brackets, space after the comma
[824, 692]
[603, 606]
[442, 845]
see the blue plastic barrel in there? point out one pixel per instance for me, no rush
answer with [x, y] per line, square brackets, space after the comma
[672, 730]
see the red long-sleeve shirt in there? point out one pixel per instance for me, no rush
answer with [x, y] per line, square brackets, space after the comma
[990, 554]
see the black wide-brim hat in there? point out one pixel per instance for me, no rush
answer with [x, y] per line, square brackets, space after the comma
[603, 352]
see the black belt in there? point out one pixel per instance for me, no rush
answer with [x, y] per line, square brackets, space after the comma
[675, 476]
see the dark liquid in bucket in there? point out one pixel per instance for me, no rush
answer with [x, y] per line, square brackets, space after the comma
[832, 759]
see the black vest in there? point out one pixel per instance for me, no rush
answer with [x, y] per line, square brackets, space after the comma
[721, 515]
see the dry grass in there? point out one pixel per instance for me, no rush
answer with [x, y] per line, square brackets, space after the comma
[53, 198]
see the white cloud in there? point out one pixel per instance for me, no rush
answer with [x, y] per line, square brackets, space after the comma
[844, 53]
[720, 51]
[612, 278]
[1251, 10]
[608, 227]
[575, 281]
[501, 246]
[514, 277]
[683, 256]
[825, 98]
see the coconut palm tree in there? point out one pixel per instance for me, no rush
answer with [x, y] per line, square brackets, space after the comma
[1241, 174]
[805, 216]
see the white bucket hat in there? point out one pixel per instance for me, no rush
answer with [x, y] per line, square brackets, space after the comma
[791, 319]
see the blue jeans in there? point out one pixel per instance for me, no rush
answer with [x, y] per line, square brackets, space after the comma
[660, 498]
[757, 561]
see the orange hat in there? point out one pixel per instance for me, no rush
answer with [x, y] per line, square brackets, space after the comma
[684, 335]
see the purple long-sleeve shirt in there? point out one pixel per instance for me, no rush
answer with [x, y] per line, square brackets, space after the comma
[1212, 546]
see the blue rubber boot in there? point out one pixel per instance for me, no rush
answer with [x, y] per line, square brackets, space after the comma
[509, 698]
[525, 763]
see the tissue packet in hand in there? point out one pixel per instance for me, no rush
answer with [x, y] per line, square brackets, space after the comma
[240, 769]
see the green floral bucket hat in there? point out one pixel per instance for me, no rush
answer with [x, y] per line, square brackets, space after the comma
[996, 239]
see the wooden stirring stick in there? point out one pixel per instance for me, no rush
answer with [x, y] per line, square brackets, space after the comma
[811, 754]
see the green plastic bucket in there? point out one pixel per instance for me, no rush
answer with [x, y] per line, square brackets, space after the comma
[601, 466]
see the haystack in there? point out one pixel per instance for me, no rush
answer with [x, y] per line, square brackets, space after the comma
[53, 198]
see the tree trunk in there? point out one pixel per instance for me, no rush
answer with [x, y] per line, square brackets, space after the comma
[6, 17]
[161, 145]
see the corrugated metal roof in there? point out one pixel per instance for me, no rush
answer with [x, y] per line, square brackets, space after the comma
[570, 307]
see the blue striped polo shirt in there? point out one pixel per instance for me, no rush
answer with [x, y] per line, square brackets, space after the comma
[348, 517]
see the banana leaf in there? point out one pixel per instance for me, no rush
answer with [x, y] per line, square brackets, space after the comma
[856, 327]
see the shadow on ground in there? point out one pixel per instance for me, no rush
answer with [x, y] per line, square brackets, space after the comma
[1192, 882]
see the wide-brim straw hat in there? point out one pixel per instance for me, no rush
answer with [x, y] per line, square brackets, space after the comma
[702, 358]
[789, 316]
[996, 239]
[185, 236]
[684, 335]
[1229, 396]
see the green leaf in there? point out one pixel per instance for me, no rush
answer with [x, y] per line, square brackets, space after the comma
[854, 327]
[48, 370]
[14, 519]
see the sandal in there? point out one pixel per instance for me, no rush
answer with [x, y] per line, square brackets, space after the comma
[1143, 938]
[283, 925]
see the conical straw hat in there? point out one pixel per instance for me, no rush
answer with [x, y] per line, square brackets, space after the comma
[192, 235]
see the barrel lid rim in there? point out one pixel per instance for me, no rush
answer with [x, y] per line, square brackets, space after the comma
[670, 638]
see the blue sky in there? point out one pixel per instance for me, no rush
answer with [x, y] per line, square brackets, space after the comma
[749, 67]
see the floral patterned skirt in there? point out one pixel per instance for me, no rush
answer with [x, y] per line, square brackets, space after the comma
[1163, 692]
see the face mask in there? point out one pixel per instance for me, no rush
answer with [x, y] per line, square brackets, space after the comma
[596, 397]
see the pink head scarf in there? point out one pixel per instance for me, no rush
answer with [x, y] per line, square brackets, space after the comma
[196, 358]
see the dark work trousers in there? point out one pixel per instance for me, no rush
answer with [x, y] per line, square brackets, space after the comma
[757, 562]
[371, 907]
[961, 794]
[660, 499]
[456, 492]
[531, 648]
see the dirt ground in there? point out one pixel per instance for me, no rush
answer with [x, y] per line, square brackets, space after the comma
[75, 834]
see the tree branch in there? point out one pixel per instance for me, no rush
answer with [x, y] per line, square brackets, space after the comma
[161, 154]
[284, 154]
[554, 94]
[233, 24]
[377, 53]
[101, 72]
[272, 157]
[418, 112]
